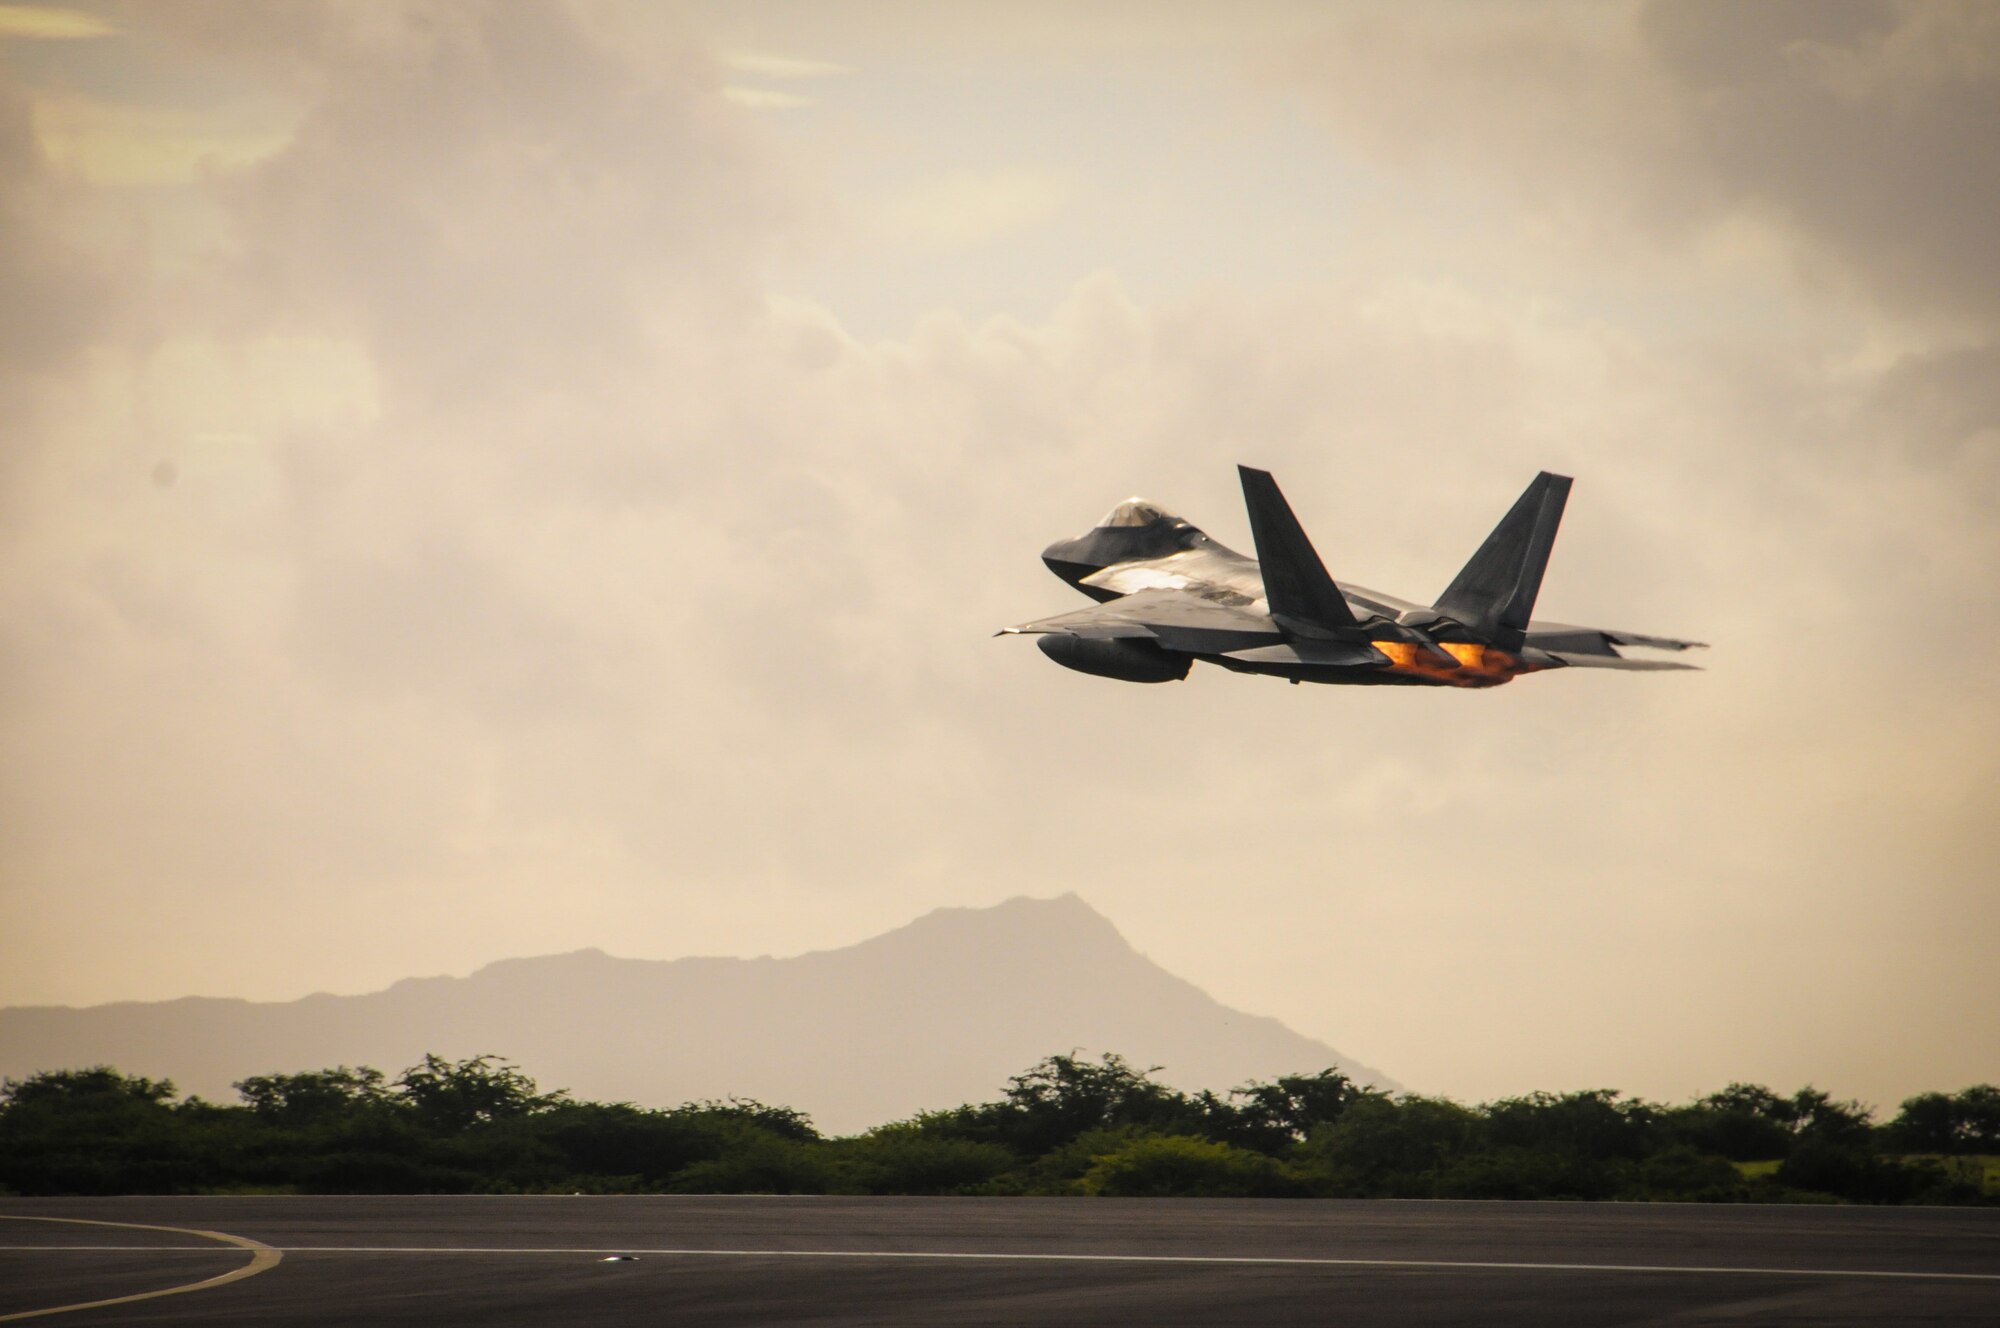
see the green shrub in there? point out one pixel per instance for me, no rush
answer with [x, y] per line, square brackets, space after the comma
[1177, 1164]
[901, 1159]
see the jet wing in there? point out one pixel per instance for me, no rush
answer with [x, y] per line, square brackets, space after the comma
[1177, 619]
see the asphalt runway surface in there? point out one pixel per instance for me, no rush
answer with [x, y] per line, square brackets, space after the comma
[824, 1261]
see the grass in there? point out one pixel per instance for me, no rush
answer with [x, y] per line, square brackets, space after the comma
[1981, 1169]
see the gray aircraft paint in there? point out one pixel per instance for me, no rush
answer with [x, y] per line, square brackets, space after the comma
[1168, 595]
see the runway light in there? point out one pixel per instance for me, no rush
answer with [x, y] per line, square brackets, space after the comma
[619, 1258]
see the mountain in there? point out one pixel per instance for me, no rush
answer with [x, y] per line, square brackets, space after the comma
[935, 1013]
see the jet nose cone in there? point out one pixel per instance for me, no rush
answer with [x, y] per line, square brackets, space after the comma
[1068, 560]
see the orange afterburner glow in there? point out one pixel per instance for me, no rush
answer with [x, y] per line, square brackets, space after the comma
[1478, 665]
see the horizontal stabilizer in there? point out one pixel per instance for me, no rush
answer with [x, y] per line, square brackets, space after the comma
[1583, 661]
[1296, 585]
[1598, 641]
[1653, 642]
[1494, 594]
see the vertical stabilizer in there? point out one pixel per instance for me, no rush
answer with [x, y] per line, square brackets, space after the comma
[1494, 594]
[1296, 585]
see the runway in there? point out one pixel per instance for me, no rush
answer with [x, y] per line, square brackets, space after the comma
[839, 1261]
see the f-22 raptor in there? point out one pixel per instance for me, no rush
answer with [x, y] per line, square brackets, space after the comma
[1168, 595]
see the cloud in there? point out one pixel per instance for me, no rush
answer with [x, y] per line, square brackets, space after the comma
[1866, 127]
[61, 279]
[784, 68]
[764, 99]
[781, 66]
[432, 203]
[48, 23]
[115, 144]
[1862, 130]
[965, 208]
[483, 220]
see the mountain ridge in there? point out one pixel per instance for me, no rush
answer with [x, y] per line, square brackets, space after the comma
[938, 1011]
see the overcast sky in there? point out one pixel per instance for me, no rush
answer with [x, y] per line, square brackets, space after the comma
[483, 480]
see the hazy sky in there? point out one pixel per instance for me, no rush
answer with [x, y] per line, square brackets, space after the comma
[490, 480]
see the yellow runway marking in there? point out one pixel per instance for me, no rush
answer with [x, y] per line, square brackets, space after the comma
[262, 1258]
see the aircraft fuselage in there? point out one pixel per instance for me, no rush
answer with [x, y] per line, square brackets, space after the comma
[1168, 595]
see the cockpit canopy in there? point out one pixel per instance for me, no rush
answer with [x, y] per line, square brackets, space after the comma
[1132, 512]
[1135, 530]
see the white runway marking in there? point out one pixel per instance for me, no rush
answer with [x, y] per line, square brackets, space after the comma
[1031, 1257]
[262, 1257]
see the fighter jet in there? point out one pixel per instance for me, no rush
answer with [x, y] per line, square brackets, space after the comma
[1168, 595]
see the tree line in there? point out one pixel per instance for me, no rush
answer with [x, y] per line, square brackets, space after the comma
[1068, 1125]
